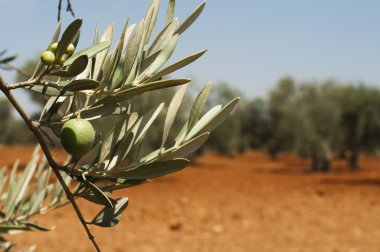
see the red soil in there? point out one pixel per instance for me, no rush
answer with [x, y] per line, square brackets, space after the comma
[248, 203]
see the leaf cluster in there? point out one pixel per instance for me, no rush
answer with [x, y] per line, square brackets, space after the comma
[26, 192]
[99, 84]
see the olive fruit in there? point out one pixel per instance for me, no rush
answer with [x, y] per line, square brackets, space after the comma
[62, 60]
[48, 58]
[70, 49]
[77, 137]
[53, 47]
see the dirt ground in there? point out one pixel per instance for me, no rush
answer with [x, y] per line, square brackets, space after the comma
[246, 203]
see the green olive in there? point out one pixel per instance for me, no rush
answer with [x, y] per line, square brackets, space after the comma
[77, 137]
[48, 58]
[70, 49]
[62, 60]
[53, 47]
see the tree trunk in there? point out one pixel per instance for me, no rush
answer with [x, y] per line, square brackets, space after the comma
[325, 165]
[353, 160]
[273, 152]
[314, 162]
[327, 157]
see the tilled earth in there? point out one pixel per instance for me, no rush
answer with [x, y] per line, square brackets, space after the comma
[245, 203]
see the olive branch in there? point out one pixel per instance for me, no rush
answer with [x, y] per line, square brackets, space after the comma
[98, 85]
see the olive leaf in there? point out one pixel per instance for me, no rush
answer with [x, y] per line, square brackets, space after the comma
[190, 19]
[178, 65]
[198, 106]
[163, 37]
[152, 170]
[80, 85]
[109, 217]
[212, 119]
[172, 112]
[90, 52]
[68, 37]
[152, 86]
[77, 67]
[101, 197]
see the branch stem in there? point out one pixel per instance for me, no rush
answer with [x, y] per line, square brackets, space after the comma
[5, 88]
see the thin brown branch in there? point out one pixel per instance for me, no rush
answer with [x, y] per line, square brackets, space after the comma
[59, 10]
[69, 8]
[55, 167]
[31, 83]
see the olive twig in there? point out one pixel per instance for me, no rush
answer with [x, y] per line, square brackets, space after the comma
[4, 87]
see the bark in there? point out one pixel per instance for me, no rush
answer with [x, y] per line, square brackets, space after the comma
[353, 160]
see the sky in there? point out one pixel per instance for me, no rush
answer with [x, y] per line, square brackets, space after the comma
[251, 44]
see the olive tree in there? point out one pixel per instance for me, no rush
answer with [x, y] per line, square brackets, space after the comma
[360, 120]
[95, 88]
[315, 119]
[281, 132]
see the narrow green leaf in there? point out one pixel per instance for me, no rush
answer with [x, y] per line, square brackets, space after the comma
[68, 37]
[163, 37]
[121, 205]
[39, 199]
[116, 133]
[133, 49]
[109, 217]
[121, 151]
[92, 198]
[96, 36]
[109, 70]
[102, 110]
[164, 56]
[150, 20]
[170, 11]
[172, 112]
[147, 61]
[8, 59]
[56, 34]
[198, 106]
[21, 186]
[187, 148]
[3, 179]
[80, 85]
[90, 157]
[126, 184]
[153, 86]
[190, 20]
[210, 121]
[50, 91]
[12, 182]
[99, 194]
[146, 121]
[36, 226]
[90, 52]
[153, 170]
[128, 36]
[77, 67]
[48, 107]
[181, 135]
[178, 65]
[76, 39]
[100, 57]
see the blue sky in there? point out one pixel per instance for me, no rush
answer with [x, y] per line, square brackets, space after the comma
[251, 43]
